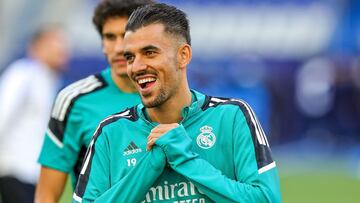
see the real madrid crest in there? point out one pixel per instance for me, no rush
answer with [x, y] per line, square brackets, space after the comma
[207, 138]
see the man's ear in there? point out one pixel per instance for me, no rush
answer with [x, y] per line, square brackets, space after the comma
[184, 55]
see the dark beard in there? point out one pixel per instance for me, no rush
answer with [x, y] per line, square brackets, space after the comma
[160, 99]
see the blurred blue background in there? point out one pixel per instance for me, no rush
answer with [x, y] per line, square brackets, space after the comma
[296, 62]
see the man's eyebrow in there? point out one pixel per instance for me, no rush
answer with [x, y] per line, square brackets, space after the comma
[107, 33]
[149, 47]
[144, 49]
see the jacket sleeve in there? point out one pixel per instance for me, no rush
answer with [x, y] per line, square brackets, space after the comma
[250, 184]
[63, 142]
[94, 181]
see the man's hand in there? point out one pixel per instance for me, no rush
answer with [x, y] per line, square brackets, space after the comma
[157, 132]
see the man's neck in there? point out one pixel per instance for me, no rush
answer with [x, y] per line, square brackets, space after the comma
[170, 111]
[123, 83]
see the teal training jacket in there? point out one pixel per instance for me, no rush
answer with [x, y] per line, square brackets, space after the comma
[218, 153]
[77, 111]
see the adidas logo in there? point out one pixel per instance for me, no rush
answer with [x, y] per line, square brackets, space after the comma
[131, 149]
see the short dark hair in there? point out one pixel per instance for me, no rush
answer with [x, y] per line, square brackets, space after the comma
[174, 20]
[115, 8]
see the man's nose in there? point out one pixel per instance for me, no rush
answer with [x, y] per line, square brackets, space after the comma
[138, 65]
[119, 45]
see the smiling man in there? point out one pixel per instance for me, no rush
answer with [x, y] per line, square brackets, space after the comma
[82, 105]
[179, 145]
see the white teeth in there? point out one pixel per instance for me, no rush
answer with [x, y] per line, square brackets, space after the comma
[142, 81]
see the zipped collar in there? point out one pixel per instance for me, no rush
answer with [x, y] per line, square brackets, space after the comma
[197, 102]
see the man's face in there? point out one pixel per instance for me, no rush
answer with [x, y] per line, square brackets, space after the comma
[112, 41]
[53, 48]
[152, 63]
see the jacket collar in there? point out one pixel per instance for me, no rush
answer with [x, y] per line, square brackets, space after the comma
[197, 102]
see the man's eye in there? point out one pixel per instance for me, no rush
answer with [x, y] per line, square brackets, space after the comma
[129, 58]
[150, 53]
[109, 37]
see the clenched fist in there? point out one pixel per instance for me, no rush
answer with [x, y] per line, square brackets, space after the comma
[157, 132]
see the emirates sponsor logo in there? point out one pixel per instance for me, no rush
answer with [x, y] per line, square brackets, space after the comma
[185, 191]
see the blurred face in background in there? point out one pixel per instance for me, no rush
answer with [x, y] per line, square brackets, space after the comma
[112, 40]
[52, 48]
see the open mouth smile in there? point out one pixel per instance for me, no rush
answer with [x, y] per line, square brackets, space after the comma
[146, 83]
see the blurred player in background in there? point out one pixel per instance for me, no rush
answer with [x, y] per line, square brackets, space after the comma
[179, 145]
[82, 105]
[27, 90]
